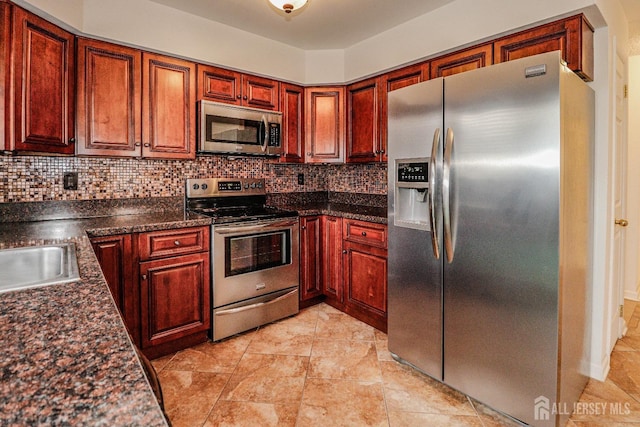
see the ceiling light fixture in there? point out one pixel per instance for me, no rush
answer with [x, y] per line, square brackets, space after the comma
[288, 5]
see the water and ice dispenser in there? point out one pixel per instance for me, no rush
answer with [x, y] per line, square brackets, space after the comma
[412, 193]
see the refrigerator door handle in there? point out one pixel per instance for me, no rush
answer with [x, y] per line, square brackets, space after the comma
[449, 244]
[433, 185]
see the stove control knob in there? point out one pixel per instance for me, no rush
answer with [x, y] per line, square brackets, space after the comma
[253, 185]
[259, 185]
[246, 185]
[204, 186]
[196, 186]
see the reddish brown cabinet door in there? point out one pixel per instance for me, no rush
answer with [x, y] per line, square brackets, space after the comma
[365, 121]
[5, 83]
[365, 271]
[115, 256]
[258, 92]
[174, 295]
[324, 124]
[292, 107]
[310, 250]
[466, 60]
[43, 85]
[332, 259]
[221, 85]
[168, 107]
[109, 99]
[572, 36]
[406, 76]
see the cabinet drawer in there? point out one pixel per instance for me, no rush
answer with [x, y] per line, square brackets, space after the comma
[367, 233]
[159, 244]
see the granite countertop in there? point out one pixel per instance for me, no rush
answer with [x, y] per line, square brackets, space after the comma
[66, 357]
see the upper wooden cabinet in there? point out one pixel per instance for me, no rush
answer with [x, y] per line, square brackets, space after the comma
[218, 84]
[572, 36]
[324, 124]
[465, 60]
[292, 107]
[109, 99]
[168, 107]
[366, 120]
[5, 83]
[43, 86]
[406, 76]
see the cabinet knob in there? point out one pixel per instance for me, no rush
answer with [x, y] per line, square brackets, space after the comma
[381, 151]
[177, 242]
[304, 227]
[146, 144]
[138, 144]
[377, 152]
[244, 97]
[239, 96]
[72, 140]
[344, 251]
[144, 277]
[364, 234]
[308, 154]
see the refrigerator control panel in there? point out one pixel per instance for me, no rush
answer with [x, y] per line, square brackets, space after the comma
[412, 173]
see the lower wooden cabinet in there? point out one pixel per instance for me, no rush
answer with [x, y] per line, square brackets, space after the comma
[160, 281]
[115, 255]
[353, 262]
[174, 299]
[310, 257]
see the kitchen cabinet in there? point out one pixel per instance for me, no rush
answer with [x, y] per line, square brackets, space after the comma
[465, 60]
[572, 36]
[332, 260]
[116, 258]
[231, 87]
[43, 92]
[310, 257]
[325, 124]
[365, 272]
[406, 76]
[366, 121]
[5, 62]
[292, 107]
[168, 107]
[109, 99]
[134, 104]
[174, 289]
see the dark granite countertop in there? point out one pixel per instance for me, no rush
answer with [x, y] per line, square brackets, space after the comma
[66, 358]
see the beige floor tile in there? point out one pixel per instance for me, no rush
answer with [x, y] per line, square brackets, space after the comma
[382, 348]
[267, 378]
[189, 396]
[160, 363]
[340, 326]
[219, 357]
[413, 419]
[342, 403]
[341, 359]
[618, 405]
[625, 372]
[282, 339]
[491, 418]
[407, 390]
[242, 414]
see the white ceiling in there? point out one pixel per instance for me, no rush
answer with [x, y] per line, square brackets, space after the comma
[321, 24]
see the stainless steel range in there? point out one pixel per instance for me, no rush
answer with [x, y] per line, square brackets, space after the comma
[254, 253]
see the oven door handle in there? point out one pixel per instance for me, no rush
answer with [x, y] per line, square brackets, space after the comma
[225, 229]
[256, 305]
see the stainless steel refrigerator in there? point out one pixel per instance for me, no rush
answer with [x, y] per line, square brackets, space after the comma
[490, 195]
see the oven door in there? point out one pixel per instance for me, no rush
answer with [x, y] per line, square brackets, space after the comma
[251, 259]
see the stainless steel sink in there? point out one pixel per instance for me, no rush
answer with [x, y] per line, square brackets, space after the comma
[36, 266]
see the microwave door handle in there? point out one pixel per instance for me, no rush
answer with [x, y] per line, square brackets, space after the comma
[264, 125]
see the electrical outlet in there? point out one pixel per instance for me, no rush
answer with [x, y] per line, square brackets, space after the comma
[70, 180]
[300, 179]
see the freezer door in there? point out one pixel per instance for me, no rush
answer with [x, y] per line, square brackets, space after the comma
[502, 160]
[415, 274]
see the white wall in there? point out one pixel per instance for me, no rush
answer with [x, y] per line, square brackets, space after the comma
[632, 284]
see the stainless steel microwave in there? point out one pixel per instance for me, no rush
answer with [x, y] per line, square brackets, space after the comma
[230, 129]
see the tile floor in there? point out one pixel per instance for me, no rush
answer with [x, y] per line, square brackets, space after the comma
[324, 368]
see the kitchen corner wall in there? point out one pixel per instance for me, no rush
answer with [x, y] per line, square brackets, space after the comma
[39, 178]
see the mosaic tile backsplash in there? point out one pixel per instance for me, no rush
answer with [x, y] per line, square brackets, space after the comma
[39, 178]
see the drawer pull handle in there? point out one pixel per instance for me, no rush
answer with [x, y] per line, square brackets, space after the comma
[364, 234]
[177, 243]
[144, 277]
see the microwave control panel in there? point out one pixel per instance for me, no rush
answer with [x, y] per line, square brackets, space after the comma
[274, 134]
